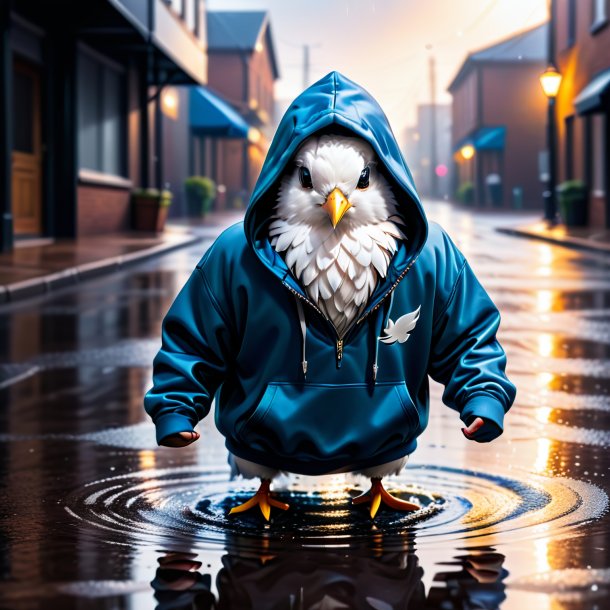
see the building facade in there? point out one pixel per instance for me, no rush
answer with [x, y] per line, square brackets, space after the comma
[242, 70]
[81, 93]
[428, 151]
[582, 55]
[498, 122]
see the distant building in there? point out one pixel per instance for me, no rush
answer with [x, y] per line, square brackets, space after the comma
[431, 165]
[582, 40]
[499, 118]
[81, 93]
[242, 70]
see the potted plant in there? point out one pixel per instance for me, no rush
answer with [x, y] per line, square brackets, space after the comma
[573, 202]
[200, 192]
[465, 193]
[150, 207]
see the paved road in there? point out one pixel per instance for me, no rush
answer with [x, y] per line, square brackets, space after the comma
[93, 515]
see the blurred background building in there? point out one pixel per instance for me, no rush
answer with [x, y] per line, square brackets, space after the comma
[242, 68]
[428, 151]
[583, 103]
[81, 94]
[116, 97]
[498, 118]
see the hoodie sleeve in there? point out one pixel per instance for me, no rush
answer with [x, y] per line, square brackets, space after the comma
[192, 361]
[466, 357]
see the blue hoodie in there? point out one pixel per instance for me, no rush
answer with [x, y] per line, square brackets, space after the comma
[291, 395]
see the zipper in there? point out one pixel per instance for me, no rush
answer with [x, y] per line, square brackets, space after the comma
[339, 352]
[341, 339]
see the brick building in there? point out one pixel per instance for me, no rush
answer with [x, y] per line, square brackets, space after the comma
[498, 121]
[81, 90]
[582, 43]
[242, 70]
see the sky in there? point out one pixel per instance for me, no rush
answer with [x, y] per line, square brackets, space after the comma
[384, 45]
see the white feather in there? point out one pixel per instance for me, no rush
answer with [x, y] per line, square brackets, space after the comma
[339, 267]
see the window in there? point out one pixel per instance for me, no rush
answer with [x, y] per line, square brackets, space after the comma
[101, 94]
[598, 150]
[599, 15]
[571, 23]
[569, 151]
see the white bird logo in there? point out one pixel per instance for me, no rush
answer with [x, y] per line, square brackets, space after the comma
[401, 329]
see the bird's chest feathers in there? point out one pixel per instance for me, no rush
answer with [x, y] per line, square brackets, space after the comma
[339, 271]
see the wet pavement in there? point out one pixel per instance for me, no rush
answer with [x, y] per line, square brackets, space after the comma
[93, 514]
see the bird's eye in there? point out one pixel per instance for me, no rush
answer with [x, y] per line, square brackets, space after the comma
[363, 182]
[305, 178]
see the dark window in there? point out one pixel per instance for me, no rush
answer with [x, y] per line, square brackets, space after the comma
[599, 14]
[569, 152]
[571, 23]
[598, 153]
[101, 117]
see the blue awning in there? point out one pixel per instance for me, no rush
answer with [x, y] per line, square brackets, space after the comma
[594, 96]
[209, 115]
[485, 138]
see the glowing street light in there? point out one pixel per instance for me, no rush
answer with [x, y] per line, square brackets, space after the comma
[467, 151]
[550, 80]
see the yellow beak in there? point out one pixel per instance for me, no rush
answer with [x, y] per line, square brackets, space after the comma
[336, 205]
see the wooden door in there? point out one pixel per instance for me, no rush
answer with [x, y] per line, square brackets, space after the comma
[27, 151]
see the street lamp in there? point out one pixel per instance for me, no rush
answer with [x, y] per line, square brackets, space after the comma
[550, 80]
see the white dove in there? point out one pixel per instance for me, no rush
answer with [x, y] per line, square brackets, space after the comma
[401, 329]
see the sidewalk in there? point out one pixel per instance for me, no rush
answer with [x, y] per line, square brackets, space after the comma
[42, 265]
[583, 238]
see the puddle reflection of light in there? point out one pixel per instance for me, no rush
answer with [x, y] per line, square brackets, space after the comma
[543, 451]
[544, 379]
[544, 301]
[543, 414]
[545, 345]
[334, 487]
[541, 552]
[147, 459]
[545, 254]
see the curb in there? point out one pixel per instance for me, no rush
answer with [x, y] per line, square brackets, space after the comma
[43, 284]
[566, 242]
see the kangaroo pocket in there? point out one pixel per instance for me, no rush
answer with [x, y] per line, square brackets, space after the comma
[331, 422]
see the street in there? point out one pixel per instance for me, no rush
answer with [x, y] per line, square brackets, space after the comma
[93, 514]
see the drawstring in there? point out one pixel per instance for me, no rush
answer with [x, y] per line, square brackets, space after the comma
[383, 316]
[303, 334]
[384, 323]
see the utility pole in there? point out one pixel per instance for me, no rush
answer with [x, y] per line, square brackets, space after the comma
[305, 66]
[433, 127]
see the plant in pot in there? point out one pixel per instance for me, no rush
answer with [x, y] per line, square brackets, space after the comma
[150, 207]
[573, 202]
[200, 193]
[465, 193]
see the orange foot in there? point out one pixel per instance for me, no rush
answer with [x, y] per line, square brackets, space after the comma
[263, 499]
[377, 494]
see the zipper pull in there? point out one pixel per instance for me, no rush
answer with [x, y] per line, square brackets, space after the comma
[339, 352]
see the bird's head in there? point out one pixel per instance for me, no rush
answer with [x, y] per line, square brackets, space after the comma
[335, 183]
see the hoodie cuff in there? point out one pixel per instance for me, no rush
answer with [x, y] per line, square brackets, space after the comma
[172, 423]
[488, 408]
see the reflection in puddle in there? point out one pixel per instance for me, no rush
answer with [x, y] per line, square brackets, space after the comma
[314, 579]
[192, 504]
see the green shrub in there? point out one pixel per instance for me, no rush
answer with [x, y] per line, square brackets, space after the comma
[165, 197]
[572, 195]
[200, 193]
[465, 193]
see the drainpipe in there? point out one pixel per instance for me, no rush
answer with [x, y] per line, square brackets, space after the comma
[6, 131]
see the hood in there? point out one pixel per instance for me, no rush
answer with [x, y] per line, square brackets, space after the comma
[338, 105]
